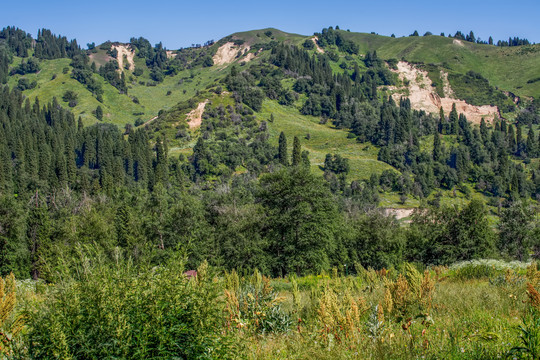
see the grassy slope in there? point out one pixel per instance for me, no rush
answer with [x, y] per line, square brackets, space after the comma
[324, 139]
[509, 68]
[118, 108]
[505, 67]
[259, 36]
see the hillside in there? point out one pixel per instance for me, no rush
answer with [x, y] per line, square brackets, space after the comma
[511, 69]
[173, 91]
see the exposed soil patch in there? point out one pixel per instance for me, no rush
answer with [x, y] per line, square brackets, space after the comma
[458, 42]
[227, 52]
[319, 49]
[128, 53]
[100, 59]
[424, 97]
[249, 57]
[447, 89]
[398, 213]
[194, 117]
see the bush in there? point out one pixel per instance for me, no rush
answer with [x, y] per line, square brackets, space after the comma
[124, 312]
[69, 96]
[308, 44]
[484, 268]
[25, 84]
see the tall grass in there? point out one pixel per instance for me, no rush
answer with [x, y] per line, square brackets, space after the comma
[121, 311]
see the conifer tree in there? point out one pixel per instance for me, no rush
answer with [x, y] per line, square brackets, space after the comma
[282, 150]
[454, 120]
[437, 151]
[297, 152]
[99, 113]
[38, 232]
[305, 159]
[483, 130]
[530, 146]
[442, 120]
[122, 226]
[511, 138]
[520, 145]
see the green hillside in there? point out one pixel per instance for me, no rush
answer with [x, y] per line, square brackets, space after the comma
[189, 77]
[513, 69]
[267, 35]
[509, 68]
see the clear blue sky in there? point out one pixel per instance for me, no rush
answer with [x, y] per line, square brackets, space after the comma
[181, 23]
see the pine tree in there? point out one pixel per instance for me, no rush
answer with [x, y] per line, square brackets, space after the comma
[38, 232]
[297, 152]
[121, 224]
[282, 150]
[530, 146]
[437, 151]
[511, 138]
[305, 159]
[520, 145]
[483, 130]
[454, 120]
[80, 125]
[99, 113]
[71, 166]
[162, 166]
[442, 120]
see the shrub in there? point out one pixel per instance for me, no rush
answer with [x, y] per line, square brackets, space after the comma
[254, 306]
[484, 268]
[123, 312]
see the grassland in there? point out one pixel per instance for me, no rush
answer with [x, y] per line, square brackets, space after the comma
[118, 108]
[323, 139]
[470, 310]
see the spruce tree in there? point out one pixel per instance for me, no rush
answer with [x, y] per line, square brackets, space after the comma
[530, 146]
[297, 152]
[282, 150]
[122, 226]
[305, 159]
[38, 232]
[437, 151]
[99, 113]
[454, 120]
[520, 145]
[442, 120]
[483, 130]
[511, 138]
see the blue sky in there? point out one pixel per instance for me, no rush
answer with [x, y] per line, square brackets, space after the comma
[181, 23]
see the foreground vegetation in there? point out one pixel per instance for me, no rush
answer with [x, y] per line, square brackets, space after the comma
[483, 309]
